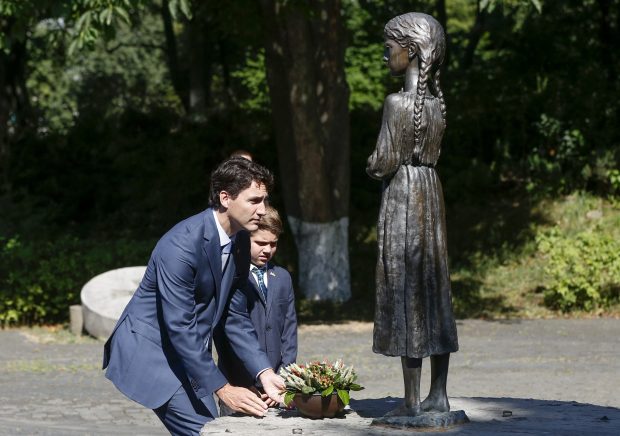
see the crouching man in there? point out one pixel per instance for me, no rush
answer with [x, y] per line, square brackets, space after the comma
[159, 354]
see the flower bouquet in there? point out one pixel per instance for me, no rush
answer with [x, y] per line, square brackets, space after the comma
[319, 389]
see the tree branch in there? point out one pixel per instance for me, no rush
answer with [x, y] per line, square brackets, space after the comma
[474, 36]
[142, 45]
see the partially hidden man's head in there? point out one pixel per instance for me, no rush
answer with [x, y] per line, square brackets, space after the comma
[264, 240]
[240, 187]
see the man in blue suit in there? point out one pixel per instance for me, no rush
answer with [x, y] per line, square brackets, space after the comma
[159, 353]
[269, 300]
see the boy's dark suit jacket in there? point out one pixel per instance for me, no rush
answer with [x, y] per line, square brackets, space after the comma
[163, 337]
[274, 320]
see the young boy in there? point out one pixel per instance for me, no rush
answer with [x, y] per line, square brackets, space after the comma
[269, 301]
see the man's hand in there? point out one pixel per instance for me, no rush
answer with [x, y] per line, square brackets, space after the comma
[242, 400]
[272, 384]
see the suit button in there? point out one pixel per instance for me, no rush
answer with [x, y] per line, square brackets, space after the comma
[268, 328]
[194, 385]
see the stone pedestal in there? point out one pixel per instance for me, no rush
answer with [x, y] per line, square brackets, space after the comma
[425, 420]
[287, 422]
[489, 417]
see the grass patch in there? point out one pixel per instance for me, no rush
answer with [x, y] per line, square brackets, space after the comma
[497, 268]
[44, 366]
[55, 334]
[509, 280]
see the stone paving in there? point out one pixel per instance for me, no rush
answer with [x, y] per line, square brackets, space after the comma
[534, 368]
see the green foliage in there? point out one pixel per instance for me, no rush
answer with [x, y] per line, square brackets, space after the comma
[180, 7]
[103, 83]
[104, 140]
[561, 160]
[490, 5]
[365, 70]
[97, 19]
[344, 396]
[583, 269]
[613, 176]
[39, 280]
[498, 269]
[288, 397]
[16, 19]
[254, 78]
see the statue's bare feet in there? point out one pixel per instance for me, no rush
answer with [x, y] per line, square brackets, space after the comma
[404, 411]
[435, 403]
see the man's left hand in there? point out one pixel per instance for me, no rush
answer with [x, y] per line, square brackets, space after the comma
[272, 384]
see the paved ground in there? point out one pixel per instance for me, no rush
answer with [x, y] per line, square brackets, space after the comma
[57, 388]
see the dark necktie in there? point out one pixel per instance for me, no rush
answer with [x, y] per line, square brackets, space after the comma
[260, 277]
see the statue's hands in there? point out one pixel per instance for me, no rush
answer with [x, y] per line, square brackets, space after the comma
[273, 385]
[242, 400]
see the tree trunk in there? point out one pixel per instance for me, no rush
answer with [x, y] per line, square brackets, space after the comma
[199, 62]
[474, 37]
[4, 125]
[442, 17]
[172, 56]
[606, 41]
[304, 50]
[15, 109]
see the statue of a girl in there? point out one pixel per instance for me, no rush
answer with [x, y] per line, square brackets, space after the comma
[413, 314]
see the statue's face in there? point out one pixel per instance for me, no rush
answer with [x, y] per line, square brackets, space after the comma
[396, 57]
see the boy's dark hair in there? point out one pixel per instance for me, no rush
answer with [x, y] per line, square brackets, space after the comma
[271, 222]
[235, 175]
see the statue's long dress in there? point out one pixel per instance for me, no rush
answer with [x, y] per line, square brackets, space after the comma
[413, 313]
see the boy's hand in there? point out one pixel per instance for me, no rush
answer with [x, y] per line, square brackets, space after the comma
[273, 385]
[268, 401]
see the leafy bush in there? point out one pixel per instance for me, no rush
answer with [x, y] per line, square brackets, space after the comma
[584, 269]
[40, 279]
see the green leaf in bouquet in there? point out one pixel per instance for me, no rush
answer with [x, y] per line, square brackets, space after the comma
[327, 391]
[344, 396]
[355, 387]
[288, 397]
[307, 389]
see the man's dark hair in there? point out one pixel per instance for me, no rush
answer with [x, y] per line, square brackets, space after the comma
[235, 175]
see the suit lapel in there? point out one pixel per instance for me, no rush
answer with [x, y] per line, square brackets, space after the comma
[227, 279]
[211, 247]
[236, 271]
[254, 288]
[271, 287]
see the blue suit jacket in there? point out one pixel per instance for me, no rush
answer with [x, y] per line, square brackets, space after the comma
[163, 337]
[274, 320]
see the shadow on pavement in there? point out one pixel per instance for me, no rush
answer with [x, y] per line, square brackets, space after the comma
[516, 414]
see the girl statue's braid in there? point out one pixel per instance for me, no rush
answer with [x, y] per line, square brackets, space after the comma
[439, 92]
[419, 102]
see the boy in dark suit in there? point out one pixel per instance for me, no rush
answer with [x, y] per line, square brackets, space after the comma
[269, 300]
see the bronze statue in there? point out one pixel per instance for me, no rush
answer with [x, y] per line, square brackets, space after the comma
[413, 314]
